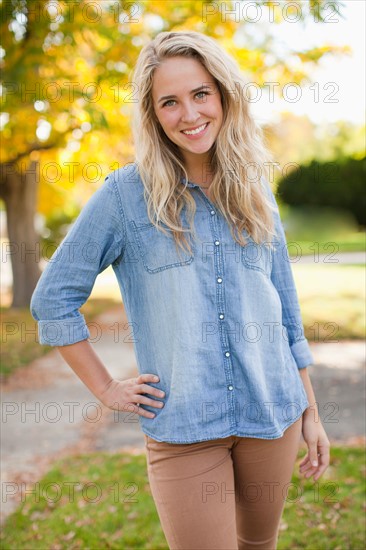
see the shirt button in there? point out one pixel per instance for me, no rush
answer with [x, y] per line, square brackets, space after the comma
[227, 353]
[219, 280]
[213, 212]
[221, 316]
[217, 243]
[230, 388]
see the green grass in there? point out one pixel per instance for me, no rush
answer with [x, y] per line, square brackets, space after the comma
[327, 514]
[19, 345]
[332, 301]
[354, 242]
[122, 516]
[314, 228]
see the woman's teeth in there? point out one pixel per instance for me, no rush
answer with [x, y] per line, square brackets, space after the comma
[197, 131]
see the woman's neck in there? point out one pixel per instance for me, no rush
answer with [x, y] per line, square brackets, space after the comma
[198, 179]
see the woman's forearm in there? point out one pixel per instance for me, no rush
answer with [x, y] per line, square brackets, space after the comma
[313, 408]
[86, 364]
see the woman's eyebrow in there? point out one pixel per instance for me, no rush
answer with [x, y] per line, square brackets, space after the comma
[204, 86]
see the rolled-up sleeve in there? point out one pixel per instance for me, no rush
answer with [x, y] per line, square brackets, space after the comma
[283, 280]
[95, 241]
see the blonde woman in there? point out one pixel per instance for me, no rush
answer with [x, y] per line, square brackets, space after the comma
[193, 233]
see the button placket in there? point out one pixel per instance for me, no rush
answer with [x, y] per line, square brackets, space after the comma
[223, 336]
[219, 270]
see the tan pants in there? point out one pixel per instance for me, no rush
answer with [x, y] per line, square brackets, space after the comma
[224, 493]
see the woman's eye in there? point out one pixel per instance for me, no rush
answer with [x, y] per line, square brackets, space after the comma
[169, 101]
[172, 100]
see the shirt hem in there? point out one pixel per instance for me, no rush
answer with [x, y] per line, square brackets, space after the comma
[238, 433]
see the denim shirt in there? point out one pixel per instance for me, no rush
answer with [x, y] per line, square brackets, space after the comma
[221, 327]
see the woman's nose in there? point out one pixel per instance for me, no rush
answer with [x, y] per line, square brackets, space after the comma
[189, 114]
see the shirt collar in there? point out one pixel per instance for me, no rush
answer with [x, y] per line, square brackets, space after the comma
[189, 184]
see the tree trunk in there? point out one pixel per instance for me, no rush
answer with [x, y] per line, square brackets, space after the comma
[19, 192]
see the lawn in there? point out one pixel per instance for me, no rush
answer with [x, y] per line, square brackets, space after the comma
[317, 229]
[103, 501]
[332, 299]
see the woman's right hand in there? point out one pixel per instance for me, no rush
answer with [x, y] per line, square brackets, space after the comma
[127, 395]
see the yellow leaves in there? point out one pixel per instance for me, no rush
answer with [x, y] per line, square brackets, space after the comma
[94, 140]
[315, 54]
[80, 65]
[93, 39]
[46, 72]
[98, 41]
[61, 123]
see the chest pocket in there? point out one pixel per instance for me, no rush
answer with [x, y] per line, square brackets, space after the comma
[157, 250]
[256, 256]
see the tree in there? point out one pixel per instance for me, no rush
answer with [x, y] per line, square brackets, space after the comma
[66, 67]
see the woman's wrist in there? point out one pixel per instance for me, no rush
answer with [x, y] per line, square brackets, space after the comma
[103, 391]
[312, 411]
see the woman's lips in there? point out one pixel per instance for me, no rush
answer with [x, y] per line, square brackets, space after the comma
[193, 136]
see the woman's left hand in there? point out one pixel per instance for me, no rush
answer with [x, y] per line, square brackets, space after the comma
[318, 446]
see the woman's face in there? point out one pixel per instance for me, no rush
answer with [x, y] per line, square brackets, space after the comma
[196, 102]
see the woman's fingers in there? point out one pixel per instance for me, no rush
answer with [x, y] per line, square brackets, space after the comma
[308, 469]
[304, 461]
[147, 401]
[132, 407]
[142, 399]
[313, 451]
[305, 464]
[145, 388]
[324, 459]
[128, 395]
[147, 414]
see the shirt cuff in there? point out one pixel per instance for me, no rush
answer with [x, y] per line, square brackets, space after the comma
[302, 354]
[62, 332]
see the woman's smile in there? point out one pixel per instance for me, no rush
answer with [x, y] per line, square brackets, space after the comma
[196, 133]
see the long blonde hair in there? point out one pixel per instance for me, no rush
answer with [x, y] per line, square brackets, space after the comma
[239, 145]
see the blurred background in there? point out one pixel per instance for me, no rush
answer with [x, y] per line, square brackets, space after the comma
[67, 96]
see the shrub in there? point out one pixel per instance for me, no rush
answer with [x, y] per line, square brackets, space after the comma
[338, 184]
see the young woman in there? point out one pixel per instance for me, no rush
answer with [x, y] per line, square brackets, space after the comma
[193, 233]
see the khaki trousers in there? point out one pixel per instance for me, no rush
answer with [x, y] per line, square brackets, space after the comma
[224, 493]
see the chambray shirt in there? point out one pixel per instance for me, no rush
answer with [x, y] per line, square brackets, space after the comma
[221, 327]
